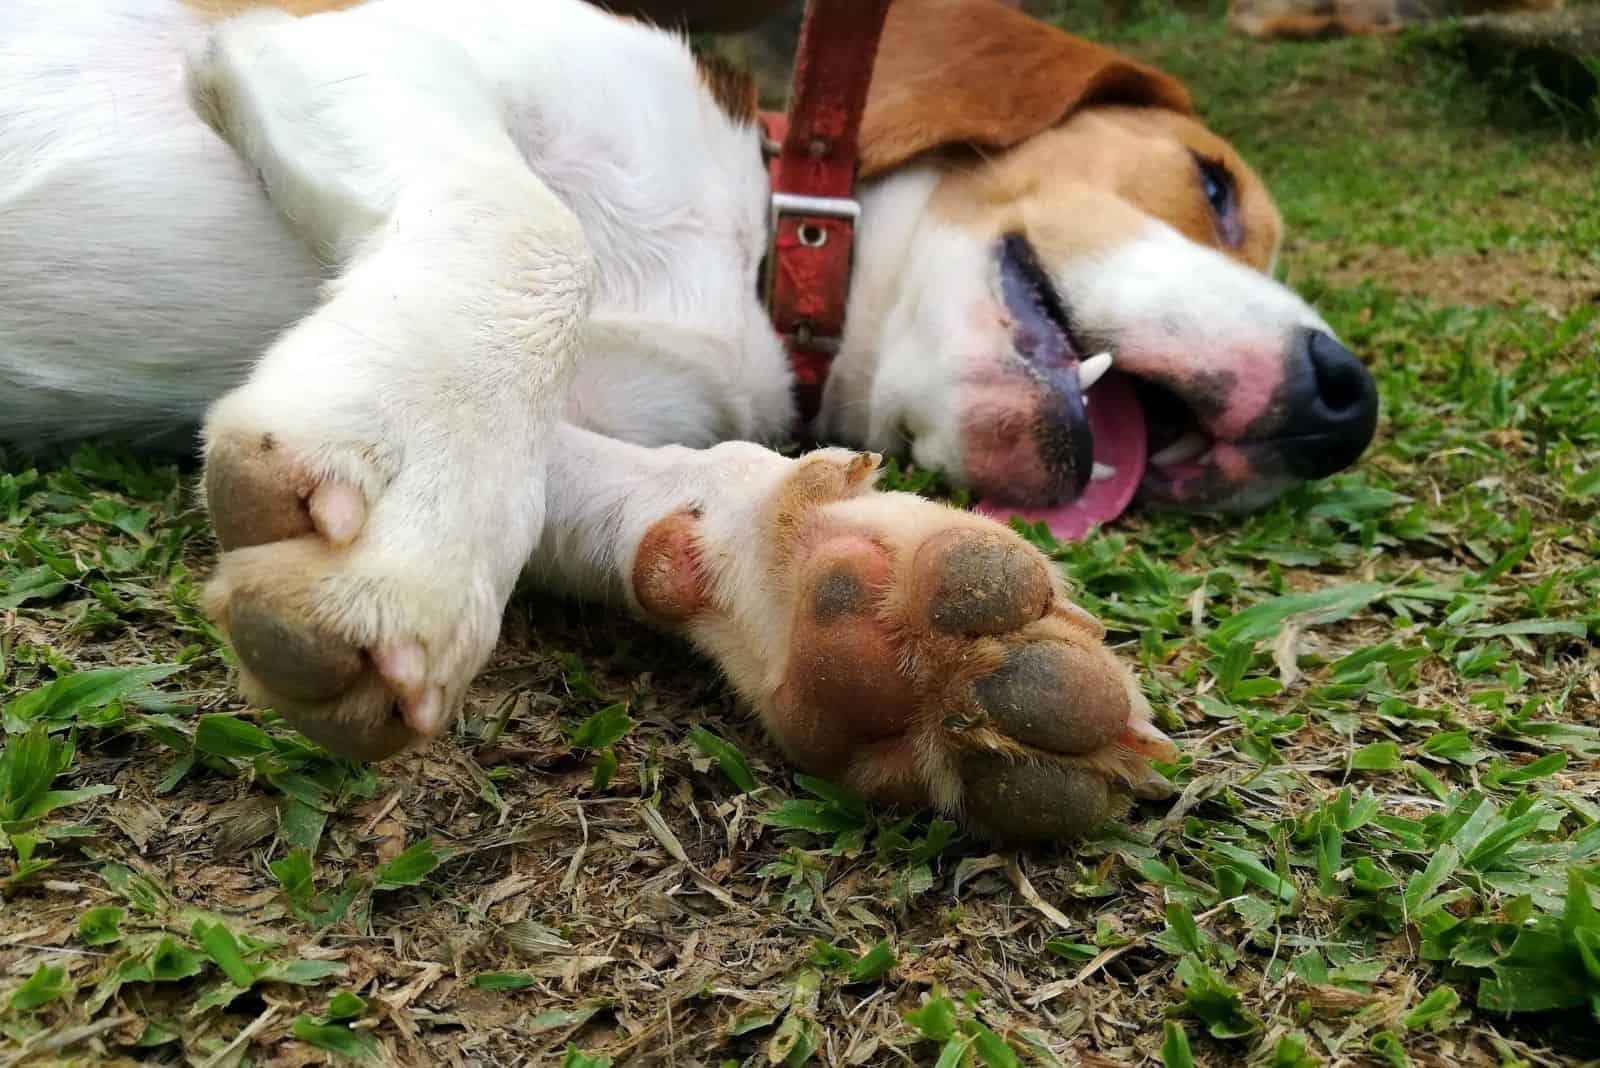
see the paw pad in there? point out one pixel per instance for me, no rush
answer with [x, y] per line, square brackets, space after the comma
[837, 596]
[666, 570]
[981, 582]
[1026, 698]
[935, 657]
[303, 663]
[1014, 800]
[253, 492]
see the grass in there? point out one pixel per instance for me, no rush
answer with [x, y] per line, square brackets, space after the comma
[1386, 849]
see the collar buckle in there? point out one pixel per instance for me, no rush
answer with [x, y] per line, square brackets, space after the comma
[811, 211]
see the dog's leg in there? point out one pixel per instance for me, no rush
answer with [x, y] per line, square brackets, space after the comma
[913, 651]
[378, 483]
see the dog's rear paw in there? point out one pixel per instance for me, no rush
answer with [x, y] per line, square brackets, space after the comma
[360, 594]
[362, 657]
[929, 655]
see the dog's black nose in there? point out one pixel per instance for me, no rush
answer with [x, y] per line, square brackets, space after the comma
[1333, 406]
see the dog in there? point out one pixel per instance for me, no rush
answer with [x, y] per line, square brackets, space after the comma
[466, 293]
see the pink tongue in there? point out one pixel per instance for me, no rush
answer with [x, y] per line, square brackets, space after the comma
[1116, 419]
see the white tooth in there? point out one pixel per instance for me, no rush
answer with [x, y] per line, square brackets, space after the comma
[1102, 472]
[1090, 370]
[1185, 448]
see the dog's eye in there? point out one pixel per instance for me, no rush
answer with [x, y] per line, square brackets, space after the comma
[1220, 193]
[1218, 188]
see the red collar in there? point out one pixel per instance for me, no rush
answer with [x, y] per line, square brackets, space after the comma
[811, 224]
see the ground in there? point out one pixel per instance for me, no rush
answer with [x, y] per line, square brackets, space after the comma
[1386, 847]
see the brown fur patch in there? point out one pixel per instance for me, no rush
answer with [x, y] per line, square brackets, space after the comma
[982, 74]
[733, 88]
[1083, 186]
[819, 480]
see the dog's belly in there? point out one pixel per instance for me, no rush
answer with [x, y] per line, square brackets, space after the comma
[141, 268]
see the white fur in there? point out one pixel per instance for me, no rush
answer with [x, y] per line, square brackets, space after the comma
[142, 272]
[190, 272]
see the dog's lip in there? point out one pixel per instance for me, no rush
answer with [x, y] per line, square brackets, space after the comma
[1104, 433]
[1119, 436]
[1169, 471]
[1216, 478]
[1041, 334]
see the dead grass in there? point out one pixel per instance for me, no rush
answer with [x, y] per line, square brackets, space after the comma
[1496, 278]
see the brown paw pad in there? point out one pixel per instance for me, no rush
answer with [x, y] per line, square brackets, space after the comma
[254, 493]
[296, 660]
[972, 582]
[1011, 800]
[837, 596]
[843, 687]
[1056, 697]
[362, 723]
[666, 571]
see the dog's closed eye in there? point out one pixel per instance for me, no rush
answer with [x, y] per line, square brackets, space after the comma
[1221, 193]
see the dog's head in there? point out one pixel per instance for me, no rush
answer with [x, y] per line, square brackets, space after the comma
[1041, 200]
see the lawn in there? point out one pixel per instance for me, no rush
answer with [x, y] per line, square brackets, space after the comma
[1385, 849]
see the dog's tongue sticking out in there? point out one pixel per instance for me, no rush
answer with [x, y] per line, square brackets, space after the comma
[1116, 420]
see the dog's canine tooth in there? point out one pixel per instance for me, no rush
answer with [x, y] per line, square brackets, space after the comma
[1090, 370]
[1102, 472]
[1188, 447]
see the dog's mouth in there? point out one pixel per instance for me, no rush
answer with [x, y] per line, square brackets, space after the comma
[1105, 433]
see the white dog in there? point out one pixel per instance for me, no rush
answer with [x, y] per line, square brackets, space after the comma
[466, 290]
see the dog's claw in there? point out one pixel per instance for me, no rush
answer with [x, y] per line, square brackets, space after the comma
[338, 511]
[426, 713]
[1146, 739]
[403, 665]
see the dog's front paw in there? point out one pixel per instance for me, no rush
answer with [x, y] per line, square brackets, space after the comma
[925, 655]
[365, 573]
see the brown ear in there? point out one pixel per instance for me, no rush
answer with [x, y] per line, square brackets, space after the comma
[981, 73]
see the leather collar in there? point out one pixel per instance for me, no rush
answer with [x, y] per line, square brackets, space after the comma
[812, 158]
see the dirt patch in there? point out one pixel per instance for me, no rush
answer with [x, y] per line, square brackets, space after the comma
[1550, 279]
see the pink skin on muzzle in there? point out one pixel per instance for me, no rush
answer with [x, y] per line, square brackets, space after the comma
[999, 442]
[1004, 450]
